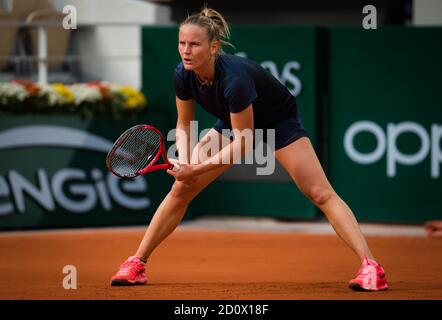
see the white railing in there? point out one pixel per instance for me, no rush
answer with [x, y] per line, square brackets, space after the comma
[41, 57]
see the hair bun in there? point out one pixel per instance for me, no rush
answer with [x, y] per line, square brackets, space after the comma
[213, 22]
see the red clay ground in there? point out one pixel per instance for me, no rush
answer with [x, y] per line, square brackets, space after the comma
[214, 265]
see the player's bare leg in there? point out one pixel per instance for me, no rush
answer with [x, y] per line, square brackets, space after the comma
[301, 162]
[171, 211]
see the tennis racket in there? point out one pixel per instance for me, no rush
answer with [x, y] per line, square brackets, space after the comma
[137, 151]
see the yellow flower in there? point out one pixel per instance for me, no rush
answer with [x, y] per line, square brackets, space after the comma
[65, 92]
[133, 98]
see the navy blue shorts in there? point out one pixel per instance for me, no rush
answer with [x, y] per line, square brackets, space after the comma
[287, 130]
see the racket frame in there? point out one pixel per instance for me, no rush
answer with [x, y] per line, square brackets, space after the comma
[152, 166]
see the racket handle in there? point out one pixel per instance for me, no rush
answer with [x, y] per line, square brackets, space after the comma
[175, 167]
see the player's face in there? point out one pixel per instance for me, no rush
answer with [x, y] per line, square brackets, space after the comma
[196, 51]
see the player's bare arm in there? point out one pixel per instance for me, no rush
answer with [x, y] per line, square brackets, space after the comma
[240, 146]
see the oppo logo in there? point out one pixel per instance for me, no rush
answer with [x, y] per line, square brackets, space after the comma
[287, 75]
[73, 189]
[386, 143]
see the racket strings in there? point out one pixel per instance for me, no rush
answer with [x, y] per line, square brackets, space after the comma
[135, 152]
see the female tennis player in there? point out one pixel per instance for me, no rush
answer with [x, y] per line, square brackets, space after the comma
[243, 96]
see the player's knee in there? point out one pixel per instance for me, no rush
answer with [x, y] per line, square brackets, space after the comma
[183, 192]
[319, 195]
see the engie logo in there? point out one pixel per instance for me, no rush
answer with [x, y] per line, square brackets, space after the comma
[77, 190]
[386, 142]
[287, 75]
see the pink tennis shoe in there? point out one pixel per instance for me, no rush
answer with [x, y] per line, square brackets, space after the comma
[370, 277]
[131, 272]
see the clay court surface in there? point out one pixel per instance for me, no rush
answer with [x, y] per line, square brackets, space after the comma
[213, 264]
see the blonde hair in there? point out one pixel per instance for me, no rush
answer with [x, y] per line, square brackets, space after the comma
[214, 23]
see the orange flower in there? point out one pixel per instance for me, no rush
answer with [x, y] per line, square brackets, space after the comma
[31, 87]
[104, 89]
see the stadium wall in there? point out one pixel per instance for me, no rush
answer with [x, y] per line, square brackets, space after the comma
[370, 100]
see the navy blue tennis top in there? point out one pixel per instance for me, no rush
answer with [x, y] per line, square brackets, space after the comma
[238, 82]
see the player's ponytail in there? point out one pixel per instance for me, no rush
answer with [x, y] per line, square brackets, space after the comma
[215, 24]
[220, 27]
